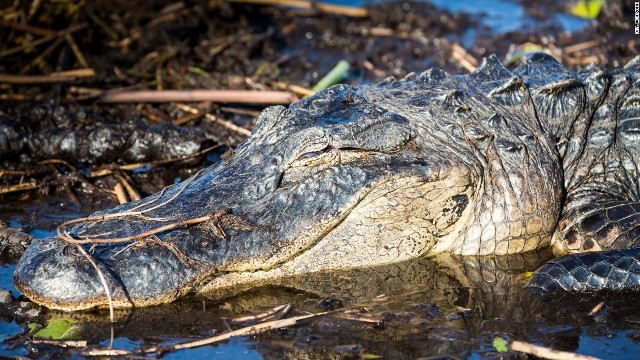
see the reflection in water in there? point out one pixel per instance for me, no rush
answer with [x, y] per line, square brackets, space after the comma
[431, 306]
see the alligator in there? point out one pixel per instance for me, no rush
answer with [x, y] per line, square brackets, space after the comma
[493, 162]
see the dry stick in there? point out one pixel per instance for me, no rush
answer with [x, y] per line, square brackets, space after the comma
[34, 79]
[581, 46]
[59, 161]
[106, 352]
[28, 28]
[464, 58]
[249, 330]
[79, 73]
[120, 194]
[19, 187]
[43, 40]
[53, 78]
[547, 353]
[102, 280]
[596, 309]
[132, 166]
[322, 7]
[269, 314]
[76, 51]
[18, 172]
[298, 90]
[190, 117]
[226, 96]
[64, 235]
[39, 61]
[131, 191]
[61, 343]
[226, 123]
[247, 112]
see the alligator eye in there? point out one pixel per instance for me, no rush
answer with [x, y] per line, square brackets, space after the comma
[313, 151]
[308, 155]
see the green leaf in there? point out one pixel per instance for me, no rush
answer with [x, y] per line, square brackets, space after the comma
[524, 49]
[500, 344]
[56, 329]
[198, 71]
[371, 356]
[587, 9]
[528, 274]
[334, 76]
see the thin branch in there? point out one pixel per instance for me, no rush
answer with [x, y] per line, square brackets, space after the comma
[224, 96]
[303, 4]
[43, 40]
[547, 353]
[133, 166]
[19, 187]
[226, 123]
[61, 343]
[53, 78]
[102, 280]
[28, 28]
[249, 330]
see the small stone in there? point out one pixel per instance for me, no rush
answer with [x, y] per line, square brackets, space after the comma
[6, 297]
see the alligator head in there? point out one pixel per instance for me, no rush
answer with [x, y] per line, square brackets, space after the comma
[347, 178]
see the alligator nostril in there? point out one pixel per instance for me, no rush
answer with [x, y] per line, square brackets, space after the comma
[510, 147]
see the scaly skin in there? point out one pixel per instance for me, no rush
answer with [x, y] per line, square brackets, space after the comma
[486, 163]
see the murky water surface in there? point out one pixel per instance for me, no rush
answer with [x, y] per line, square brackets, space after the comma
[448, 306]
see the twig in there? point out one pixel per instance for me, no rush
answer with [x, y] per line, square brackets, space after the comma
[547, 353]
[322, 7]
[106, 28]
[224, 96]
[596, 308]
[53, 78]
[76, 51]
[133, 166]
[280, 311]
[463, 57]
[79, 73]
[28, 28]
[120, 194]
[102, 280]
[61, 343]
[18, 172]
[247, 112]
[19, 187]
[106, 352]
[191, 117]
[248, 330]
[39, 61]
[131, 191]
[63, 234]
[43, 40]
[581, 46]
[298, 90]
[226, 123]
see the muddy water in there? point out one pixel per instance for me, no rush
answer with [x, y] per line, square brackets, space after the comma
[444, 307]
